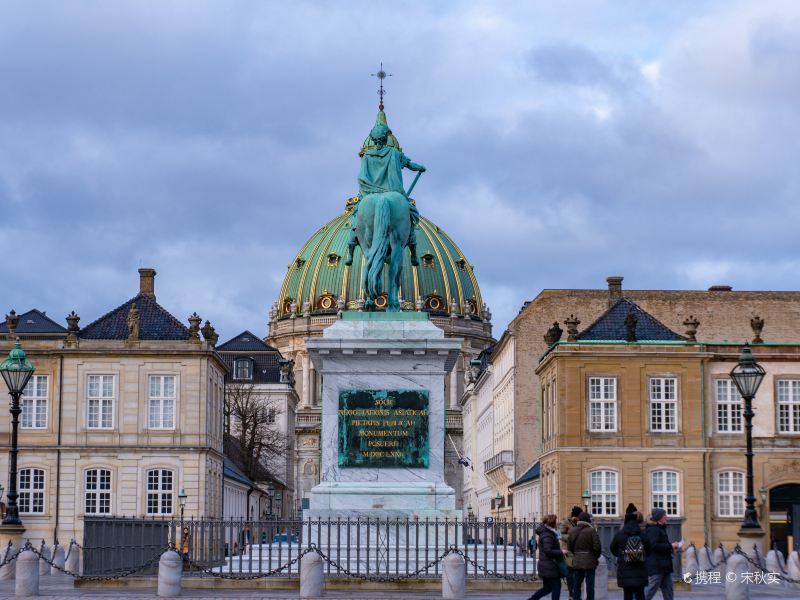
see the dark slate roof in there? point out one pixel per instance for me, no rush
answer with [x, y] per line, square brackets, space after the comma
[245, 342]
[233, 453]
[611, 325]
[35, 321]
[264, 357]
[529, 475]
[231, 471]
[155, 323]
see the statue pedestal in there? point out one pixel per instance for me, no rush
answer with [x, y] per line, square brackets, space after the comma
[383, 418]
[752, 537]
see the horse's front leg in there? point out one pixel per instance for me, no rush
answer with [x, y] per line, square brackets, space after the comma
[395, 270]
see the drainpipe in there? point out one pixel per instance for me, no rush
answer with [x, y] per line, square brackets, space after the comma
[58, 444]
[704, 438]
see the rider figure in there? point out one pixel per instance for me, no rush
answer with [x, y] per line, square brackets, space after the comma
[381, 171]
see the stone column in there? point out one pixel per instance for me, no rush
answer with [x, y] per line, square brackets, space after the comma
[27, 575]
[306, 397]
[312, 576]
[454, 577]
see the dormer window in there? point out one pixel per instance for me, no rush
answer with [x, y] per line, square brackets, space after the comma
[243, 368]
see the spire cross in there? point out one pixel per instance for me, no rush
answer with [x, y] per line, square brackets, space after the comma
[381, 75]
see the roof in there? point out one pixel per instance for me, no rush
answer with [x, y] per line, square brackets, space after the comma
[611, 325]
[35, 321]
[155, 323]
[529, 475]
[245, 341]
[233, 454]
[231, 471]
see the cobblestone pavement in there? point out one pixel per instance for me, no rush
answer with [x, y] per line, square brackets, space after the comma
[53, 588]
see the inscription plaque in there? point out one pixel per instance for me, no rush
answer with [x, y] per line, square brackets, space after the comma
[383, 428]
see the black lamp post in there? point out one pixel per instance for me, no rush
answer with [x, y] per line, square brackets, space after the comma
[182, 497]
[17, 372]
[747, 376]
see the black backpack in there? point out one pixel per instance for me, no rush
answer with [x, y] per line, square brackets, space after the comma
[634, 550]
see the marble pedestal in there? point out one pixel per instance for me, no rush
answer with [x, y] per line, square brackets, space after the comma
[382, 351]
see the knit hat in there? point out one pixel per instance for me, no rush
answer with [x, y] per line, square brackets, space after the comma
[585, 517]
[631, 509]
[657, 514]
[576, 511]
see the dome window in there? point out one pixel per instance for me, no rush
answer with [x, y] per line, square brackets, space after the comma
[326, 301]
[333, 259]
[434, 302]
[243, 368]
[427, 260]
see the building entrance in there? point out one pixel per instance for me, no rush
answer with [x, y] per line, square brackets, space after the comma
[784, 517]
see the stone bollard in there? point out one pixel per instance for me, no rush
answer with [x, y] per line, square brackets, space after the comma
[774, 563]
[454, 577]
[704, 559]
[58, 560]
[44, 566]
[735, 586]
[73, 560]
[601, 579]
[690, 564]
[27, 576]
[170, 567]
[793, 569]
[312, 576]
[719, 560]
[7, 571]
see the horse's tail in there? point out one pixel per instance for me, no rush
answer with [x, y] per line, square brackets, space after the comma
[380, 245]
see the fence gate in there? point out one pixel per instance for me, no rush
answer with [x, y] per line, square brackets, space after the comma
[114, 544]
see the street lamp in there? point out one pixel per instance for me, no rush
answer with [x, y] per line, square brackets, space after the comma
[748, 375]
[762, 491]
[182, 496]
[17, 372]
[270, 495]
[586, 496]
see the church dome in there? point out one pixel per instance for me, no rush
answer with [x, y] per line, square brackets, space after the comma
[318, 282]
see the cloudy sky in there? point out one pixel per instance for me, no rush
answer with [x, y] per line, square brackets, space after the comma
[564, 142]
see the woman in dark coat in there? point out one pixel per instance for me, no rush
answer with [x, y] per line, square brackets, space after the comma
[549, 556]
[631, 576]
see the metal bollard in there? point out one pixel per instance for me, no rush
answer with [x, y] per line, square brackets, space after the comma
[735, 587]
[312, 576]
[7, 571]
[73, 560]
[454, 577]
[44, 567]
[58, 560]
[170, 567]
[601, 579]
[27, 575]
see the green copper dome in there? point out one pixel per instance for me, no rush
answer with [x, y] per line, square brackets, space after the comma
[317, 279]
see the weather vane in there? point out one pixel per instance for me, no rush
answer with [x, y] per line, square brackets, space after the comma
[381, 75]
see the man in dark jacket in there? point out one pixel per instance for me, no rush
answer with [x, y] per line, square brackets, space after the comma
[566, 526]
[659, 562]
[584, 543]
[631, 558]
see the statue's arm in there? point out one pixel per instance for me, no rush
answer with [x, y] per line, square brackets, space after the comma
[412, 165]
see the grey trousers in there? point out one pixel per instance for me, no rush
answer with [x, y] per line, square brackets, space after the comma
[661, 582]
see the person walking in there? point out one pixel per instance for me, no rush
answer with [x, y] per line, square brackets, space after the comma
[551, 566]
[631, 549]
[659, 562]
[566, 526]
[584, 543]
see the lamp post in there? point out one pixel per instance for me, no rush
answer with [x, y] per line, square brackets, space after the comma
[586, 496]
[17, 372]
[182, 496]
[747, 376]
[271, 496]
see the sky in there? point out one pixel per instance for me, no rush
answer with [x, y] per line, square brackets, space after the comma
[564, 142]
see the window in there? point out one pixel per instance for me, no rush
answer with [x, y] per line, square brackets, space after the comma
[98, 492]
[159, 492]
[602, 404]
[161, 404]
[663, 404]
[730, 494]
[243, 368]
[100, 402]
[729, 407]
[31, 491]
[664, 486]
[603, 488]
[34, 403]
[789, 406]
[271, 413]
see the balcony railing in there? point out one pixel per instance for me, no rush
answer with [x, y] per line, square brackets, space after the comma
[312, 420]
[501, 459]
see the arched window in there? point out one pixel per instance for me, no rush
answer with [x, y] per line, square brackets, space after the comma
[243, 368]
[730, 494]
[665, 488]
[160, 484]
[98, 492]
[31, 491]
[604, 490]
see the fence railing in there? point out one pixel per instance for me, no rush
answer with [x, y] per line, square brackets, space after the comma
[357, 546]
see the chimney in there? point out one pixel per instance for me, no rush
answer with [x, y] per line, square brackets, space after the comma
[614, 288]
[147, 284]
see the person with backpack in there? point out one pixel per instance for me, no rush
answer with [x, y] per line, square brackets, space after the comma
[659, 562]
[631, 549]
[584, 543]
[551, 565]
